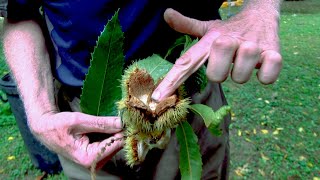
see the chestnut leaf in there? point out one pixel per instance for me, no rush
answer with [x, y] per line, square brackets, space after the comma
[211, 118]
[101, 88]
[190, 157]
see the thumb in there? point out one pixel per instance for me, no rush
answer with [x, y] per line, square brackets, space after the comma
[104, 124]
[184, 24]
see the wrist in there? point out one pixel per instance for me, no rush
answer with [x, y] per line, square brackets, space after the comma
[36, 114]
[263, 8]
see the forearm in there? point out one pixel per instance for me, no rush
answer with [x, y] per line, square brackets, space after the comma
[28, 59]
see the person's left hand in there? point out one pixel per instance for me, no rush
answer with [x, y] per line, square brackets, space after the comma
[249, 40]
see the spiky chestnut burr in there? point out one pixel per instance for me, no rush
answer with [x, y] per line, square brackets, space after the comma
[148, 123]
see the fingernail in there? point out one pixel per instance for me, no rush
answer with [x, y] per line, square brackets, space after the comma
[156, 96]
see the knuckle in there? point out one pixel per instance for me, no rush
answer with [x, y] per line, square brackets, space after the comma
[99, 122]
[73, 118]
[275, 58]
[225, 42]
[170, 82]
[250, 48]
[184, 62]
[116, 122]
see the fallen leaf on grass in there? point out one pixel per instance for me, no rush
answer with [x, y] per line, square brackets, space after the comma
[248, 140]
[239, 133]
[241, 171]
[9, 158]
[275, 138]
[238, 172]
[247, 132]
[302, 158]
[264, 157]
[10, 138]
[316, 178]
[262, 172]
[276, 132]
[254, 131]
[309, 164]
[264, 131]
[301, 129]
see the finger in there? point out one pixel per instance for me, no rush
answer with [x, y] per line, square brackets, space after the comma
[185, 24]
[248, 55]
[108, 148]
[187, 64]
[221, 57]
[87, 154]
[88, 123]
[270, 68]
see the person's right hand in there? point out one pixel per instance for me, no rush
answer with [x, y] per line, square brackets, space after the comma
[66, 134]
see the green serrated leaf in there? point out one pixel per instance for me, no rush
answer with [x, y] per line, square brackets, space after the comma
[155, 65]
[179, 42]
[188, 44]
[190, 156]
[101, 88]
[211, 119]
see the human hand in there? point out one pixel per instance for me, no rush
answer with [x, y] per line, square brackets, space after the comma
[249, 40]
[66, 134]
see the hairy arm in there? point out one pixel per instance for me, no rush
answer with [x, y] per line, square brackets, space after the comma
[273, 6]
[63, 132]
[28, 58]
[248, 40]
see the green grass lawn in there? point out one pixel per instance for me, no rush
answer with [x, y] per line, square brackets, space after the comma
[275, 128]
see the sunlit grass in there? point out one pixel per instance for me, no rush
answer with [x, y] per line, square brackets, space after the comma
[275, 129]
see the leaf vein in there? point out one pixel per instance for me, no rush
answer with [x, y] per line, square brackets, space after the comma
[187, 148]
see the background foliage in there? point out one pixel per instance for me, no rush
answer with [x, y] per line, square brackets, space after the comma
[275, 129]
